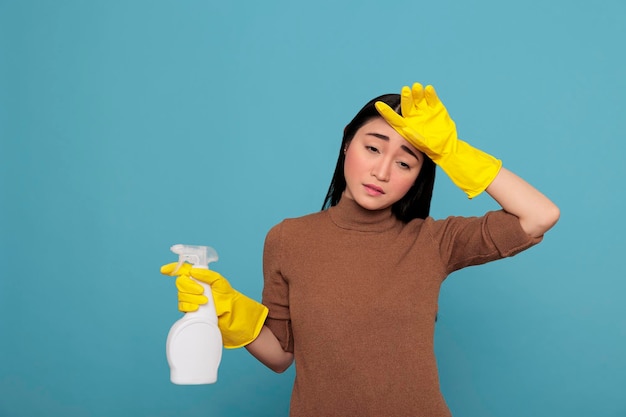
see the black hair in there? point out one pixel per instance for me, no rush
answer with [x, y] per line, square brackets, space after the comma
[416, 202]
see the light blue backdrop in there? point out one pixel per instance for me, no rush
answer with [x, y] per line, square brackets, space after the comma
[129, 126]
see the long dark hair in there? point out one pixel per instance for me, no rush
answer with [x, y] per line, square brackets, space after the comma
[416, 202]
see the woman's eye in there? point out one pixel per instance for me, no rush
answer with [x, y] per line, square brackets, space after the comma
[404, 165]
[372, 148]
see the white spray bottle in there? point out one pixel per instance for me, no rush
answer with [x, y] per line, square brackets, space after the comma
[194, 343]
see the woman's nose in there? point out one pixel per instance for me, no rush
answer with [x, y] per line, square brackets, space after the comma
[381, 170]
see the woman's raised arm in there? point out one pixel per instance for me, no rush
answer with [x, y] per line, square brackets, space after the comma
[536, 213]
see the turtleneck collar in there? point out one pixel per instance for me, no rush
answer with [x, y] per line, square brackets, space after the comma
[349, 215]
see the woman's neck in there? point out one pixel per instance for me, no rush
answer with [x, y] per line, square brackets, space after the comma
[348, 214]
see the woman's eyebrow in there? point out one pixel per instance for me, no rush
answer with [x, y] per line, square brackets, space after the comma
[386, 138]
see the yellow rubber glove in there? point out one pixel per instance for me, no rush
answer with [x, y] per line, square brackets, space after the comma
[239, 318]
[426, 124]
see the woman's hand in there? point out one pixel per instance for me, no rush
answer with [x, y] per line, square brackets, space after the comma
[239, 318]
[426, 124]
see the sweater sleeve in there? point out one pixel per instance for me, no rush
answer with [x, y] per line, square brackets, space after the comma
[276, 290]
[478, 240]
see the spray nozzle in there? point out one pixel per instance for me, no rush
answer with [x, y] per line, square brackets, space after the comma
[198, 256]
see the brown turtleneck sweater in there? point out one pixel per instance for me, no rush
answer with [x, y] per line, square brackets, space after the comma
[353, 293]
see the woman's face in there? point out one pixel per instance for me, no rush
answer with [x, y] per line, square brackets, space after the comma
[380, 166]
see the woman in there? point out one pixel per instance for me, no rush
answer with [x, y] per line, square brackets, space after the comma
[351, 292]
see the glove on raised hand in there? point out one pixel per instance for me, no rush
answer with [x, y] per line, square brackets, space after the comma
[426, 124]
[239, 318]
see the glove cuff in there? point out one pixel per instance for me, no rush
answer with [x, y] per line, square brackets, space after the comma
[251, 316]
[471, 169]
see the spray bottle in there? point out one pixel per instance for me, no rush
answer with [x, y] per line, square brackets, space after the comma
[194, 343]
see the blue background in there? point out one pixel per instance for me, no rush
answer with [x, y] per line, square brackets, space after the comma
[129, 126]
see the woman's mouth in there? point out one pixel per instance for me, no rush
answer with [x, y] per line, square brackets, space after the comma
[372, 189]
